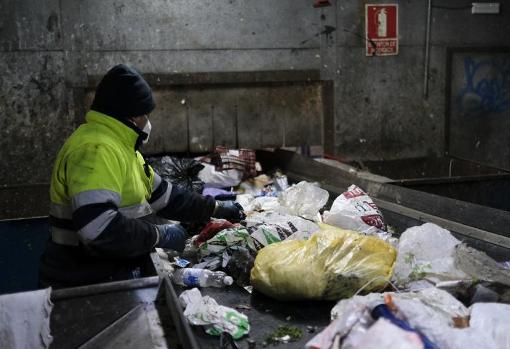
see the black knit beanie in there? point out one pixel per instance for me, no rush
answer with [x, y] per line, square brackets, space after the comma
[123, 93]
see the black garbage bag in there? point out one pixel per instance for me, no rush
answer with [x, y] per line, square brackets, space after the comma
[240, 264]
[181, 172]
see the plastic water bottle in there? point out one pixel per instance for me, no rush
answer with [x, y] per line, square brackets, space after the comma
[193, 277]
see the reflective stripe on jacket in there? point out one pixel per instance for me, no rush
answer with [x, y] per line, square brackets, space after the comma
[98, 169]
[100, 187]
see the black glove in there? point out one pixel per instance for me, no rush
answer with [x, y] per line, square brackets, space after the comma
[171, 236]
[229, 210]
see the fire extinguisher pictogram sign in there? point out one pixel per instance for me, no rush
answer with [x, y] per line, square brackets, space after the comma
[381, 23]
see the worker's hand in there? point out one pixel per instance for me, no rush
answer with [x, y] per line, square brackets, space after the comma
[172, 236]
[229, 210]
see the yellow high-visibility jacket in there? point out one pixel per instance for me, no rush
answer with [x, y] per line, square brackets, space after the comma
[100, 188]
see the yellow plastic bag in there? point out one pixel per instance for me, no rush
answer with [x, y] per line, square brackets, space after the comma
[333, 264]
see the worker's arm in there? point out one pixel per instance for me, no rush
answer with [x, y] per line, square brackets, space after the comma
[131, 237]
[95, 176]
[171, 202]
[175, 203]
[105, 231]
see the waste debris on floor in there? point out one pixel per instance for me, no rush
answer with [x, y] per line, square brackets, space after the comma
[284, 334]
[423, 288]
[204, 311]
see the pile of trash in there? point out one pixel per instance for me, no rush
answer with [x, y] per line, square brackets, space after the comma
[337, 262]
[430, 318]
[423, 289]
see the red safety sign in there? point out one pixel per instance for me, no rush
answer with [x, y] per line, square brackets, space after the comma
[381, 23]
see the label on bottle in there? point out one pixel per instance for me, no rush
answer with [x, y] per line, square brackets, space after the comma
[181, 262]
[190, 277]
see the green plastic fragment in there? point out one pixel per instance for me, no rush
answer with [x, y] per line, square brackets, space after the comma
[276, 337]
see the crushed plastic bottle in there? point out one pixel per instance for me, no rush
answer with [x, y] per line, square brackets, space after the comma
[194, 277]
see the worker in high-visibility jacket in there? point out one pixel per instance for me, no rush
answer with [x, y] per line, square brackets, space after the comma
[101, 188]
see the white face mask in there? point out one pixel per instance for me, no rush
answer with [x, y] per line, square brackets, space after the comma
[147, 129]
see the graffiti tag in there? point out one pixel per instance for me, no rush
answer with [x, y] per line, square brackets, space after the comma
[487, 89]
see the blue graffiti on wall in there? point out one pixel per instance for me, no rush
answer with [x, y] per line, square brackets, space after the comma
[487, 89]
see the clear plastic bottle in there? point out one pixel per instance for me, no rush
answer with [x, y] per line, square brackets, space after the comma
[193, 277]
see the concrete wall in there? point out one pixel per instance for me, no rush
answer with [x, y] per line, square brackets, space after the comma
[380, 109]
[253, 110]
[49, 49]
[479, 105]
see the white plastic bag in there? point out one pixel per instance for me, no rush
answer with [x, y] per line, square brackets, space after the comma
[488, 328]
[301, 228]
[25, 320]
[219, 179]
[430, 311]
[245, 201]
[261, 203]
[355, 210]
[427, 251]
[304, 199]
[384, 335]
[204, 311]
[492, 319]
[349, 316]
[251, 203]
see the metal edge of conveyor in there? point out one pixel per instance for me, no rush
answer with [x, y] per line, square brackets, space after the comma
[21, 219]
[167, 292]
[107, 287]
[294, 165]
[456, 227]
[110, 330]
[448, 180]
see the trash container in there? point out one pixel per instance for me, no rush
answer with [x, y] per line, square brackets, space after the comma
[445, 176]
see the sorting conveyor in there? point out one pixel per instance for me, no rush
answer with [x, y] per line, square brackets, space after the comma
[146, 312]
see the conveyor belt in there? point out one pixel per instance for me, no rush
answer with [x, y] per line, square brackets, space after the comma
[92, 319]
